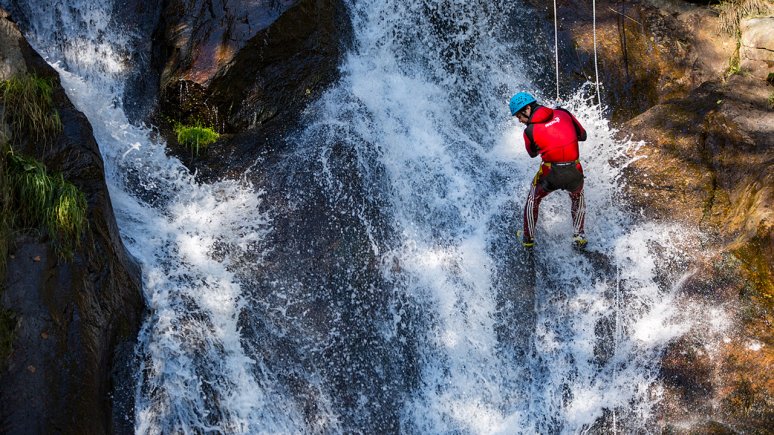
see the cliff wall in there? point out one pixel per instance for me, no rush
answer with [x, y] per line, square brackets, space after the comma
[73, 323]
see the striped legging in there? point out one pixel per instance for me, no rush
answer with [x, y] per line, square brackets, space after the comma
[546, 181]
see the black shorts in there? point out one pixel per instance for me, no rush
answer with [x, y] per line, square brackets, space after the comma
[566, 176]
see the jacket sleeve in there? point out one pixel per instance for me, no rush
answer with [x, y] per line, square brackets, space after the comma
[579, 130]
[529, 142]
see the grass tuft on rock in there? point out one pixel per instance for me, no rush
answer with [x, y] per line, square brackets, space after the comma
[6, 210]
[32, 187]
[734, 64]
[30, 111]
[49, 202]
[66, 216]
[195, 137]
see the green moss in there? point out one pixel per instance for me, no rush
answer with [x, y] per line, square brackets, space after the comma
[734, 63]
[195, 137]
[771, 100]
[31, 113]
[33, 188]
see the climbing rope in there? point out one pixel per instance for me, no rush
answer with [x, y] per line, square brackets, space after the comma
[556, 49]
[596, 65]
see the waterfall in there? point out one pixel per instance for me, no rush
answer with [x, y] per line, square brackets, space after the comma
[368, 277]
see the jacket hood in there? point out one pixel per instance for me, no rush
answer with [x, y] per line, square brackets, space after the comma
[541, 114]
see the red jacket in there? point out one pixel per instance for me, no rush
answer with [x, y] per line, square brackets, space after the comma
[554, 134]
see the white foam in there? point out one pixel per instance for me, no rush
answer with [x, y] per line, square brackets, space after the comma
[422, 99]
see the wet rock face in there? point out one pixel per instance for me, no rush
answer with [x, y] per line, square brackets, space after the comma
[70, 316]
[235, 65]
[140, 19]
[207, 34]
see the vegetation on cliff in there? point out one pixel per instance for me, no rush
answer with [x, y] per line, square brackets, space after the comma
[43, 200]
[33, 115]
[196, 136]
[32, 197]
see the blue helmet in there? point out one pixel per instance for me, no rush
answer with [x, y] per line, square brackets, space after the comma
[520, 101]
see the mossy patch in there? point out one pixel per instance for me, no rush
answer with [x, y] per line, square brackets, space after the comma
[32, 186]
[734, 64]
[32, 198]
[30, 109]
[195, 137]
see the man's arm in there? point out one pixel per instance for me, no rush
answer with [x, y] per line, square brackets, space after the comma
[529, 142]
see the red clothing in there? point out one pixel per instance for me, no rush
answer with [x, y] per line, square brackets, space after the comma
[554, 134]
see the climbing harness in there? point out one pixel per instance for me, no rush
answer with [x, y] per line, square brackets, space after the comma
[556, 50]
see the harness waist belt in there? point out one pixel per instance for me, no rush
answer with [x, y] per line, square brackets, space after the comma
[562, 163]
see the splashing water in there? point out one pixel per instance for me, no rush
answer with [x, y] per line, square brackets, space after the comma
[375, 282]
[428, 108]
[194, 375]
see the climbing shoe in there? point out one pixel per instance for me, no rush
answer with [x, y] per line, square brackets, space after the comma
[579, 241]
[525, 242]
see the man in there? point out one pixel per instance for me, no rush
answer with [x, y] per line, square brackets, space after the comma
[554, 135]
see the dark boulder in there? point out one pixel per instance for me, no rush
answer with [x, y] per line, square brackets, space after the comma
[237, 66]
[71, 316]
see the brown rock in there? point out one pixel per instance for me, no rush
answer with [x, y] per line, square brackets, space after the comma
[649, 51]
[757, 46]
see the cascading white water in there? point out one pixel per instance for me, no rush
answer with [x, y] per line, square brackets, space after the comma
[424, 97]
[194, 375]
[566, 343]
